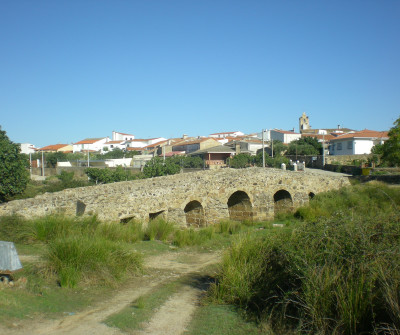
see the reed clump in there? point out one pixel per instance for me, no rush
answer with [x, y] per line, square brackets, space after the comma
[336, 272]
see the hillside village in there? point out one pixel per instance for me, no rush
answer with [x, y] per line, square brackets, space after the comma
[215, 148]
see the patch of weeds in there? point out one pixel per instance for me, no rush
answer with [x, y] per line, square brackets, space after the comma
[159, 229]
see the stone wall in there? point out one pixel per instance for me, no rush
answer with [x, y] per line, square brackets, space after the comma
[213, 195]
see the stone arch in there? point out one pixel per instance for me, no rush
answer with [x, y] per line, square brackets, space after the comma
[311, 195]
[194, 213]
[80, 208]
[240, 207]
[283, 202]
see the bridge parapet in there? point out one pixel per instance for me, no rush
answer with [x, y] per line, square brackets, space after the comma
[198, 198]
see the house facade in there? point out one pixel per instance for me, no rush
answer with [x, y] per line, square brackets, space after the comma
[249, 146]
[90, 145]
[357, 143]
[227, 134]
[190, 145]
[65, 148]
[117, 136]
[285, 136]
[141, 143]
[27, 148]
[111, 145]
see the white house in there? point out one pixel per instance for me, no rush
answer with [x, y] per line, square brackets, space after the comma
[116, 136]
[227, 134]
[111, 145]
[141, 143]
[90, 144]
[357, 143]
[285, 136]
[27, 148]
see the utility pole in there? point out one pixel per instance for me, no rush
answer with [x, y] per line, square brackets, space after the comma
[30, 164]
[263, 149]
[272, 148]
[323, 150]
[42, 163]
[88, 159]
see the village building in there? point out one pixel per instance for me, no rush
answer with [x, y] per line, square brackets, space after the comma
[357, 143]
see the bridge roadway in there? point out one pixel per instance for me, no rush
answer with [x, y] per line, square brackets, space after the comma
[196, 198]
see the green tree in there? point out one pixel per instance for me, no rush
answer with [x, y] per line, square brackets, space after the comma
[53, 157]
[240, 161]
[279, 148]
[14, 175]
[305, 146]
[158, 167]
[391, 147]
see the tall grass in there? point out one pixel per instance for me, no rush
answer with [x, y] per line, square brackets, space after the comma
[159, 229]
[79, 249]
[337, 272]
[84, 258]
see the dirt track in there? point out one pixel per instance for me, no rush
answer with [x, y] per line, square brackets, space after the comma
[170, 318]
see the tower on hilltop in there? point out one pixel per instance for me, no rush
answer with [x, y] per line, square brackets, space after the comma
[304, 122]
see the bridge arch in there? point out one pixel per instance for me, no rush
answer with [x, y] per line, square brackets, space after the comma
[283, 202]
[240, 207]
[194, 213]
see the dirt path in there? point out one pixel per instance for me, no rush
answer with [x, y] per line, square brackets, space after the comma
[171, 318]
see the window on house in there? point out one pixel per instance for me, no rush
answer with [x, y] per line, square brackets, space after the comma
[339, 146]
[350, 145]
[111, 146]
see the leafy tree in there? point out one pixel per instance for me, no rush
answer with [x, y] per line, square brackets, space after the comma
[279, 148]
[305, 146]
[391, 147]
[193, 162]
[105, 176]
[240, 161]
[53, 157]
[158, 167]
[14, 175]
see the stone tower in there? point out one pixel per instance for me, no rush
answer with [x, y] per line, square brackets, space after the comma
[304, 122]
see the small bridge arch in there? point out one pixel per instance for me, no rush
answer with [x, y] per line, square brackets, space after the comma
[283, 202]
[194, 213]
[240, 207]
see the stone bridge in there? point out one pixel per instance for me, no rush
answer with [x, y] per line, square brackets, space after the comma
[196, 198]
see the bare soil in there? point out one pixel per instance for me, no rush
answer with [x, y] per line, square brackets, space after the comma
[170, 318]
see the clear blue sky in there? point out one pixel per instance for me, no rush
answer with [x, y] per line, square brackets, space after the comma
[72, 69]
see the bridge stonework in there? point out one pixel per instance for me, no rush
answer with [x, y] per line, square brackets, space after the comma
[197, 198]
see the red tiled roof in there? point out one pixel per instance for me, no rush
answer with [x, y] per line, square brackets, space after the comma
[156, 144]
[53, 147]
[363, 133]
[199, 140]
[225, 132]
[114, 142]
[90, 140]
